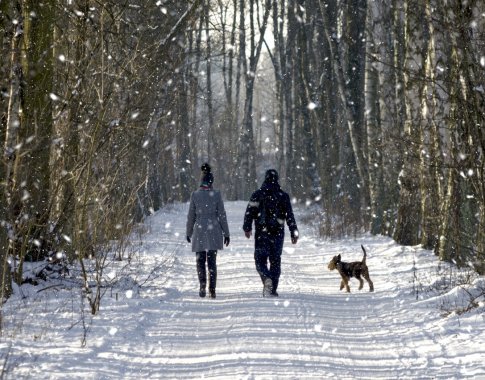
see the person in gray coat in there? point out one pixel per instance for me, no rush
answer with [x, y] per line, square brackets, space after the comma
[207, 229]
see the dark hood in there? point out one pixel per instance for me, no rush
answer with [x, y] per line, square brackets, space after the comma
[270, 187]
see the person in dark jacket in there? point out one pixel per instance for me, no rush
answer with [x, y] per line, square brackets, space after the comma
[269, 208]
[207, 229]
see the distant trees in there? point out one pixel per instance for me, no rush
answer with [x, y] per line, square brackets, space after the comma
[89, 130]
[373, 110]
[380, 124]
[461, 229]
[439, 207]
[247, 150]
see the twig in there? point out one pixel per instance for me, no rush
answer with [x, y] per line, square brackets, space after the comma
[49, 287]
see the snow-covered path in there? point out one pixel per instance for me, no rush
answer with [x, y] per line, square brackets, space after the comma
[312, 330]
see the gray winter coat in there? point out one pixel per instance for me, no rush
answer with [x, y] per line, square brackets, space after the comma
[207, 221]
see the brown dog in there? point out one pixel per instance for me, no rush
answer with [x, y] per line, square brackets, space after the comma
[354, 269]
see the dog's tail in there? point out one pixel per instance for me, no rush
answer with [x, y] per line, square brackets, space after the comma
[365, 254]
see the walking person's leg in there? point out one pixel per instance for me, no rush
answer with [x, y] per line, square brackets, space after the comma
[275, 270]
[201, 272]
[275, 262]
[212, 266]
[261, 256]
[261, 261]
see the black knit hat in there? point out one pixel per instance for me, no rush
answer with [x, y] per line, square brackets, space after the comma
[271, 176]
[205, 168]
[206, 178]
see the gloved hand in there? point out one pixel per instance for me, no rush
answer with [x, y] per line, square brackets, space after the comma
[226, 240]
[188, 239]
[247, 233]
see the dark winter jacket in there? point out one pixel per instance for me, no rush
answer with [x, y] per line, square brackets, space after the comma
[270, 207]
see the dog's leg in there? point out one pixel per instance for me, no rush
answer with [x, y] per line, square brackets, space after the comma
[345, 280]
[342, 284]
[361, 282]
[369, 281]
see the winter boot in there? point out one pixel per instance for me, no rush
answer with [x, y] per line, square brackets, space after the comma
[268, 287]
[212, 293]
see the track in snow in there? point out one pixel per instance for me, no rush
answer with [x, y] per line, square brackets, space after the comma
[312, 331]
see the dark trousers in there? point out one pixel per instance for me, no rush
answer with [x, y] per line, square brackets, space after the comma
[268, 251]
[210, 257]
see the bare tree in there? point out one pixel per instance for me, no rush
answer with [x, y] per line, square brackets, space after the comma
[246, 153]
[407, 227]
[464, 185]
[28, 134]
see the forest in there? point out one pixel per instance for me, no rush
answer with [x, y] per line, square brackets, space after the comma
[373, 112]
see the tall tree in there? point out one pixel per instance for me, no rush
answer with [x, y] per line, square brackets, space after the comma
[354, 194]
[307, 97]
[247, 154]
[417, 39]
[373, 118]
[10, 85]
[28, 141]
[430, 148]
[464, 187]
[383, 124]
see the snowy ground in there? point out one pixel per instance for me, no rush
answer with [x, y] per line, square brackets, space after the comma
[154, 325]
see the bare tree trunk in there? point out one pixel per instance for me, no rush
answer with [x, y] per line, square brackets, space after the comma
[480, 252]
[7, 30]
[398, 29]
[351, 111]
[225, 137]
[354, 72]
[465, 187]
[430, 151]
[279, 62]
[10, 124]
[288, 69]
[309, 156]
[240, 69]
[448, 248]
[330, 141]
[152, 198]
[30, 173]
[184, 153]
[182, 136]
[388, 151]
[194, 90]
[373, 121]
[247, 153]
[210, 107]
[67, 158]
[473, 143]
[409, 214]
[226, 53]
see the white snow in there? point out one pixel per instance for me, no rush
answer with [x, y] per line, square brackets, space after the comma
[153, 325]
[311, 106]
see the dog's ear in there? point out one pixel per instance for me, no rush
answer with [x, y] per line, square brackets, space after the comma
[339, 257]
